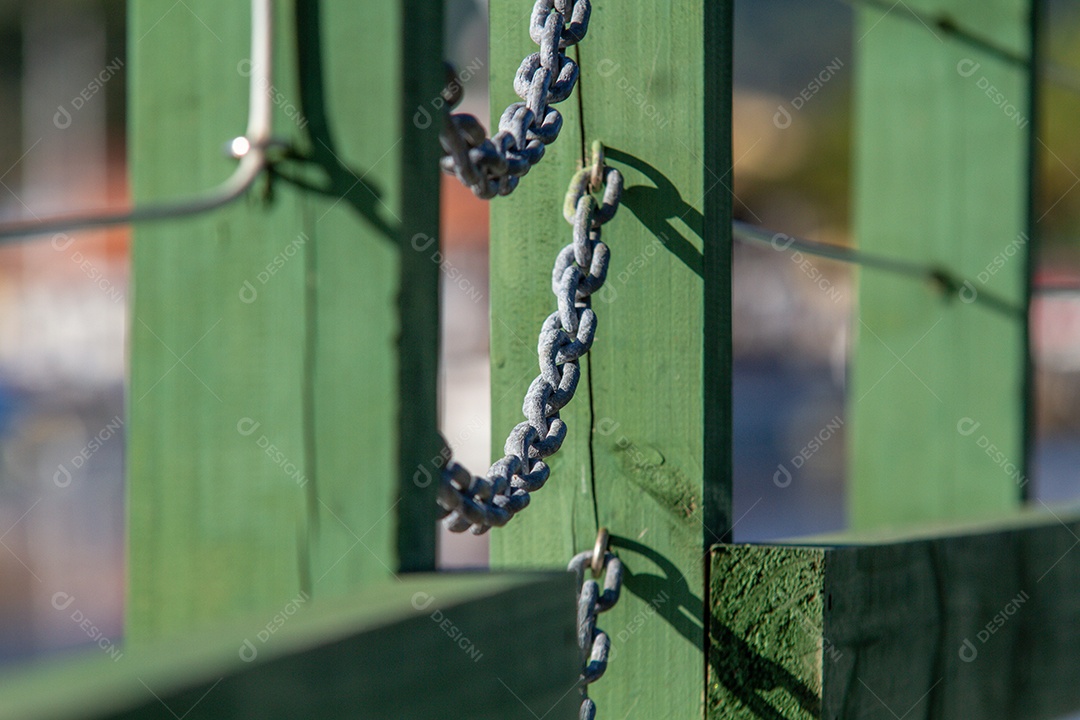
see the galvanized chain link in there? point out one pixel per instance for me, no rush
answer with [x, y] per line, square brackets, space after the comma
[493, 166]
[480, 503]
[593, 643]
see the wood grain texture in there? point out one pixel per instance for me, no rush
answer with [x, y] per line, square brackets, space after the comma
[648, 449]
[977, 623]
[266, 397]
[766, 631]
[467, 647]
[942, 153]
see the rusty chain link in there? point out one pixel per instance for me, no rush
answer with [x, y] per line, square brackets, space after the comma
[493, 166]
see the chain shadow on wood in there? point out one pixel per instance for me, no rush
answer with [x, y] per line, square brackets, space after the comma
[680, 603]
[658, 207]
[747, 675]
[732, 661]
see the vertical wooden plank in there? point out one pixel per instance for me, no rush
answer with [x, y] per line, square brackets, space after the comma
[266, 398]
[938, 388]
[648, 450]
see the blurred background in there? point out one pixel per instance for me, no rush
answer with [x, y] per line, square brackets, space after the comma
[63, 323]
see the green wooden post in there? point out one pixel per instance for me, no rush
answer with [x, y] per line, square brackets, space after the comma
[971, 621]
[648, 450]
[281, 347]
[938, 396]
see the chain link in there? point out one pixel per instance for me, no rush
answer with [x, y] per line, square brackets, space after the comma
[493, 166]
[593, 643]
[480, 503]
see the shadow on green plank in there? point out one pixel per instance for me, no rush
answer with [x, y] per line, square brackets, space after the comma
[446, 646]
[972, 621]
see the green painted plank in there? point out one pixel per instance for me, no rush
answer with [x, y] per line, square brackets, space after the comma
[981, 622]
[942, 153]
[766, 653]
[416, 649]
[266, 398]
[649, 456]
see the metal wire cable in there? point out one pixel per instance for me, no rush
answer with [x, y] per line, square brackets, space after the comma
[1058, 74]
[944, 279]
[745, 232]
[941, 278]
[251, 150]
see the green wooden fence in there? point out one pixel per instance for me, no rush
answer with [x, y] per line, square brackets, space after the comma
[283, 371]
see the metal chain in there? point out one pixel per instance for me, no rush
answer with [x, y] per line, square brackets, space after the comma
[593, 643]
[493, 166]
[480, 503]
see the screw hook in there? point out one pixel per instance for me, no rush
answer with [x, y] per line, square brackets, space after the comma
[599, 551]
[596, 172]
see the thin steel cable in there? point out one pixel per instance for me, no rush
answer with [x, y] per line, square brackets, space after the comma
[945, 280]
[745, 232]
[1059, 75]
[754, 234]
[251, 150]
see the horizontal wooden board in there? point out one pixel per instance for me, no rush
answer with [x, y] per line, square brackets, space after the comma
[475, 646]
[982, 623]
